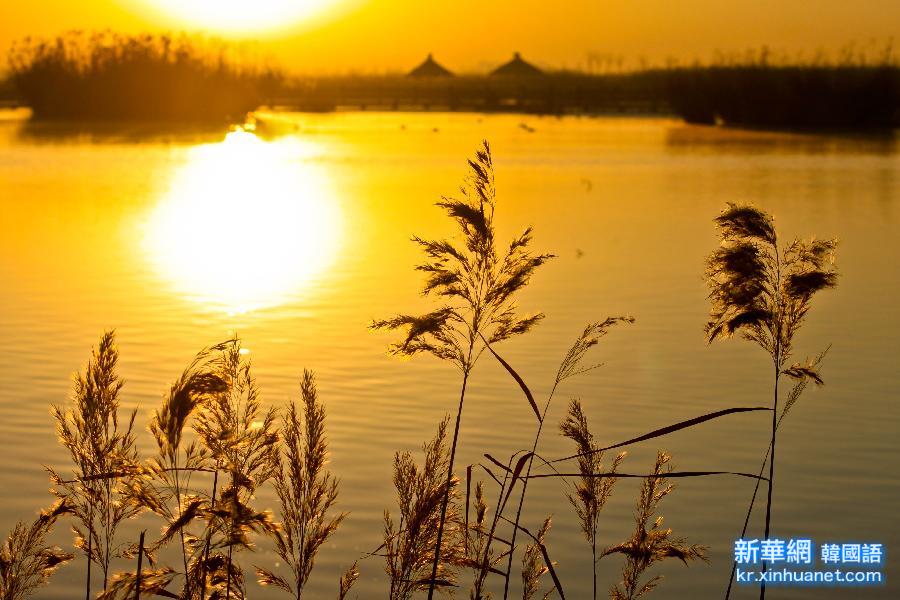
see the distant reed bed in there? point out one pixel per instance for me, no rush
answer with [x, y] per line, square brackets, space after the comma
[811, 97]
[113, 76]
[450, 527]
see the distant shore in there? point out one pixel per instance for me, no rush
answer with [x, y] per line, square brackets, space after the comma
[121, 78]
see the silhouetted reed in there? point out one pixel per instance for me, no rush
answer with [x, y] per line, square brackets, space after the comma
[26, 561]
[477, 540]
[104, 75]
[240, 437]
[165, 488]
[103, 453]
[591, 492]
[477, 285]
[409, 544]
[764, 292]
[572, 365]
[803, 97]
[649, 546]
[533, 566]
[307, 492]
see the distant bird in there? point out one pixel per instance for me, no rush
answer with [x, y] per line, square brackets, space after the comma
[588, 184]
[579, 252]
[435, 130]
[526, 127]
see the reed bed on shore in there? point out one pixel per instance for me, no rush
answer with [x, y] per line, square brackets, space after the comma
[109, 76]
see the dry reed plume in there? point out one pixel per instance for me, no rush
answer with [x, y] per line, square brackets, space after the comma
[103, 454]
[647, 547]
[477, 285]
[409, 544]
[26, 561]
[533, 566]
[591, 491]
[764, 292]
[307, 492]
[165, 485]
[572, 365]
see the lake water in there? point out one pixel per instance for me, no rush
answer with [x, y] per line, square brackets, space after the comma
[296, 238]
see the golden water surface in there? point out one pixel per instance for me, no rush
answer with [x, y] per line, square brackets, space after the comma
[295, 235]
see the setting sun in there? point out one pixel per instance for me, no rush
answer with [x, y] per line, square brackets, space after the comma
[239, 16]
[246, 223]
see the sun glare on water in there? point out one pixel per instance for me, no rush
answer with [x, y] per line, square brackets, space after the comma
[246, 224]
[241, 15]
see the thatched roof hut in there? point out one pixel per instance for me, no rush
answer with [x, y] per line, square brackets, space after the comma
[517, 67]
[430, 68]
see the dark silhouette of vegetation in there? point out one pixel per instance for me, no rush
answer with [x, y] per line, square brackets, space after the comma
[306, 490]
[477, 284]
[764, 292]
[649, 546]
[26, 561]
[591, 492]
[849, 97]
[97, 443]
[107, 76]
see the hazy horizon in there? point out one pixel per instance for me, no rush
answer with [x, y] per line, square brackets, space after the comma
[322, 37]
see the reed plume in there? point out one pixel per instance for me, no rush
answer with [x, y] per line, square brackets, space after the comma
[409, 545]
[347, 581]
[103, 454]
[647, 547]
[307, 492]
[26, 561]
[591, 491]
[764, 292]
[533, 567]
[476, 285]
[153, 582]
[242, 443]
[164, 487]
[477, 539]
[572, 365]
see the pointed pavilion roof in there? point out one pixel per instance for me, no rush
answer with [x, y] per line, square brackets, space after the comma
[430, 68]
[517, 67]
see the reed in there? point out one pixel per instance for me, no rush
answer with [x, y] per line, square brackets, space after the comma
[307, 492]
[533, 567]
[26, 560]
[764, 292]
[165, 485]
[104, 75]
[572, 365]
[477, 541]
[241, 440]
[649, 546]
[409, 544]
[477, 286]
[348, 580]
[103, 454]
[591, 492]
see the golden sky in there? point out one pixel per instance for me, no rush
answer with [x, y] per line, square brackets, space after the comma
[338, 36]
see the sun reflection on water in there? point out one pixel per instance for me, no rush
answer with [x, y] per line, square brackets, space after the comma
[246, 224]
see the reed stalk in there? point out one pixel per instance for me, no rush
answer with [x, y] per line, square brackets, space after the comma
[307, 492]
[572, 365]
[477, 284]
[26, 560]
[98, 444]
[648, 546]
[764, 292]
